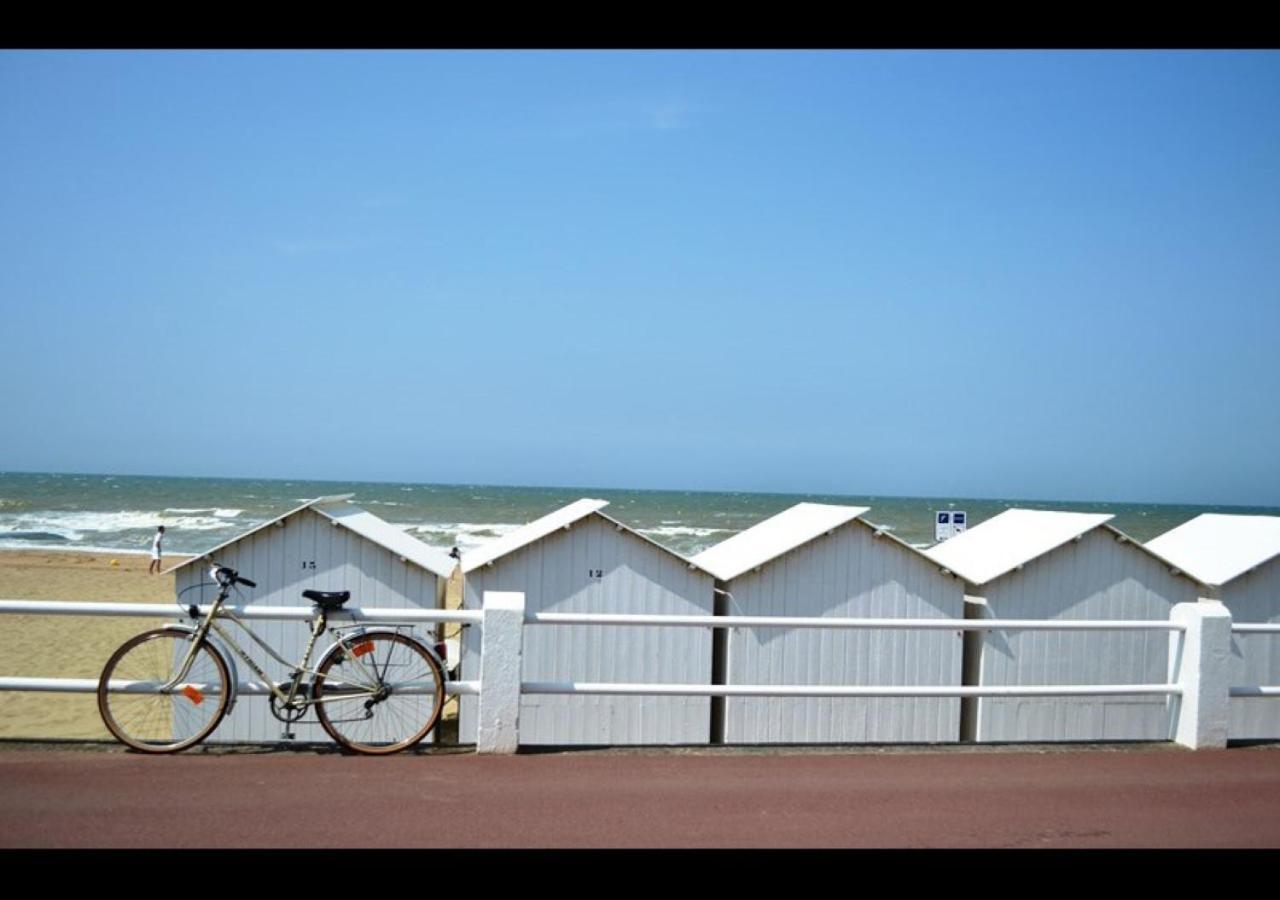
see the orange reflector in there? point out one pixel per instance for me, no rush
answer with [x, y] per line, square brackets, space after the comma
[193, 694]
[362, 649]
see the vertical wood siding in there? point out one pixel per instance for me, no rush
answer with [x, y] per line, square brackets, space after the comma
[846, 574]
[1097, 577]
[274, 557]
[1255, 658]
[555, 575]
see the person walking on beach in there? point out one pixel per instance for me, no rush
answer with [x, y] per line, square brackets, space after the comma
[154, 568]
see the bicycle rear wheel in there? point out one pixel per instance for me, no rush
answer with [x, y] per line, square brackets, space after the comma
[153, 722]
[381, 695]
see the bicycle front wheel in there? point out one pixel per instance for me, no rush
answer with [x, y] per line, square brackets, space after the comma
[139, 715]
[381, 693]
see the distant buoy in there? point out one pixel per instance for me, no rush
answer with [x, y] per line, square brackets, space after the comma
[115, 563]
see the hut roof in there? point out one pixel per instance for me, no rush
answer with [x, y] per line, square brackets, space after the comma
[538, 529]
[1009, 540]
[1217, 548]
[363, 523]
[767, 540]
[527, 534]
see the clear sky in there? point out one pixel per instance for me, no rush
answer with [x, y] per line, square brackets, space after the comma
[996, 274]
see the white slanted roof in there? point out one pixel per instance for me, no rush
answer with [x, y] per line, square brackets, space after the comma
[365, 524]
[1009, 540]
[773, 537]
[1217, 548]
[381, 532]
[535, 530]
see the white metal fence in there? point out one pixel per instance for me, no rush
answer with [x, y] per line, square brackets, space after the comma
[372, 616]
[1255, 690]
[1199, 682]
[846, 623]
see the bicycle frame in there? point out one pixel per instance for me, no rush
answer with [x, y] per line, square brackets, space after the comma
[318, 625]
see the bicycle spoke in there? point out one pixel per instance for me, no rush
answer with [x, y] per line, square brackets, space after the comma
[342, 697]
[161, 722]
[395, 715]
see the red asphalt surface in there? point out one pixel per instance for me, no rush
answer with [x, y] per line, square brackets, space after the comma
[1156, 796]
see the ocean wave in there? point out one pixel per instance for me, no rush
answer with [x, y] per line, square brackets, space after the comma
[682, 531]
[471, 527]
[39, 536]
[28, 527]
[74, 524]
[216, 512]
[464, 535]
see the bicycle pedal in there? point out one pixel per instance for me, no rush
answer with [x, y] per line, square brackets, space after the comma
[287, 736]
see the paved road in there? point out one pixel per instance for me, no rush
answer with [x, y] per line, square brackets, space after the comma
[1155, 796]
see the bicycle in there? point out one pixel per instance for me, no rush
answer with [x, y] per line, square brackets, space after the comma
[375, 689]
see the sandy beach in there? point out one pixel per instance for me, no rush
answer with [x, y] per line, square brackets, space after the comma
[67, 646]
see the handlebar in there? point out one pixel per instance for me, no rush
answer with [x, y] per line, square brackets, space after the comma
[226, 576]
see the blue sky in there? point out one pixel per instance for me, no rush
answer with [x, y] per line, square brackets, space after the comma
[926, 273]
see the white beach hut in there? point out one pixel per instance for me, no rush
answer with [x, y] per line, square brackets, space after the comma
[326, 544]
[822, 560]
[1038, 564]
[1239, 558]
[577, 559]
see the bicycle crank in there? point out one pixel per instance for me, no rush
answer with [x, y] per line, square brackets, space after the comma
[295, 708]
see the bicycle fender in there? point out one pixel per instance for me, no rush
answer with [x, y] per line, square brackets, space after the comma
[226, 658]
[374, 629]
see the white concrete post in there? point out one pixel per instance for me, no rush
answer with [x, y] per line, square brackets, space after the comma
[501, 652]
[1204, 674]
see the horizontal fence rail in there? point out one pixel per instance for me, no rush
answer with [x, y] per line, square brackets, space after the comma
[819, 622]
[818, 690]
[372, 616]
[250, 612]
[1256, 690]
[923, 691]
[90, 686]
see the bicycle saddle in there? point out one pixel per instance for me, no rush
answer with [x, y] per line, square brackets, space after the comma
[328, 600]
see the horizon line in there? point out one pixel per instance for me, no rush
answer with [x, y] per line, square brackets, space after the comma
[667, 490]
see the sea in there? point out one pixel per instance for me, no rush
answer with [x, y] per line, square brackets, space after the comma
[119, 513]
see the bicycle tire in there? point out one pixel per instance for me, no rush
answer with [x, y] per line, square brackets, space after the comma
[163, 723]
[379, 726]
